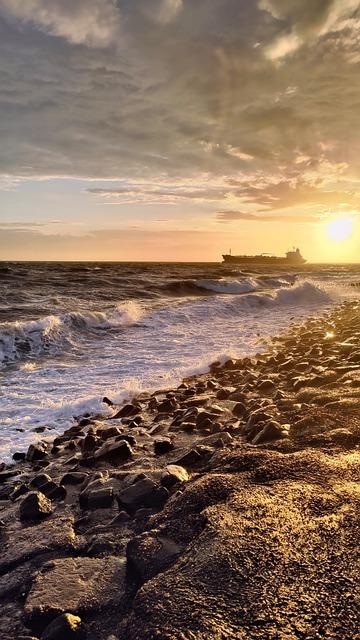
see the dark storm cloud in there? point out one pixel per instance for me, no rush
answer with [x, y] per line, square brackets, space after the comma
[168, 88]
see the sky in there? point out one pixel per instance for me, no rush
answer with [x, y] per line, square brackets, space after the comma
[178, 129]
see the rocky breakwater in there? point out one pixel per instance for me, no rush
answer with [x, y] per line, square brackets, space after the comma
[225, 508]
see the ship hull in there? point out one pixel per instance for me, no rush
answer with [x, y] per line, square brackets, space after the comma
[263, 260]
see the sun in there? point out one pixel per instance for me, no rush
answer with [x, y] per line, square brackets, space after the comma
[340, 229]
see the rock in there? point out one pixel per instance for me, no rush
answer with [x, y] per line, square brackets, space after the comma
[19, 456]
[52, 535]
[189, 459]
[239, 409]
[174, 475]
[127, 410]
[344, 437]
[109, 432]
[35, 507]
[73, 478]
[267, 386]
[150, 554]
[128, 438]
[53, 491]
[114, 452]
[19, 491]
[224, 393]
[205, 418]
[167, 406]
[89, 443]
[144, 493]
[65, 627]
[163, 445]
[36, 452]
[75, 584]
[40, 479]
[120, 519]
[271, 431]
[6, 475]
[97, 498]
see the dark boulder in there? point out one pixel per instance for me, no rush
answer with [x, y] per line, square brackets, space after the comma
[102, 498]
[115, 452]
[144, 493]
[36, 452]
[163, 445]
[127, 410]
[35, 506]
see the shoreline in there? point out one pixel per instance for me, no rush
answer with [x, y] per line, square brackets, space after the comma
[150, 499]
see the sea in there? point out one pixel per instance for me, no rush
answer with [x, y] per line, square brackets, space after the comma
[72, 333]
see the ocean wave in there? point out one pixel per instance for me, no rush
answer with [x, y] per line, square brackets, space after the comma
[229, 286]
[28, 339]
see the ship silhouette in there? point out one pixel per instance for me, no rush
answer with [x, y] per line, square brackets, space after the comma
[291, 258]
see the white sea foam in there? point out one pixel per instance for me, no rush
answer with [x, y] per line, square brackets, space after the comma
[20, 340]
[122, 356]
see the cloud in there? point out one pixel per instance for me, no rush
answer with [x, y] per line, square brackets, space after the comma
[94, 22]
[285, 193]
[168, 192]
[304, 21]
[154, 95]
[235, 216]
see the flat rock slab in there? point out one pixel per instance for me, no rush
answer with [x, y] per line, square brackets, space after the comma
[24, 543]
[75, 585]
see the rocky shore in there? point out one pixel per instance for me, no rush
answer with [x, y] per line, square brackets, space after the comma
[225, 508]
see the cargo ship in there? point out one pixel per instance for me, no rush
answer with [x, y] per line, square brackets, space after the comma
[291, 258]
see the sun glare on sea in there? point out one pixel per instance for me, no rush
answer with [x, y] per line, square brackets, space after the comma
[340, 229]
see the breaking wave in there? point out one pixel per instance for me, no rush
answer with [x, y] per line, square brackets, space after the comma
[51, 334]
[229, 286]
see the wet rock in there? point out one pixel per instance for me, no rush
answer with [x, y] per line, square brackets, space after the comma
[89, 443]
[6, 475]
[73, 478]
[65, 627]
[150, 554]
[36, 452]
[167, 406]
[55, 535]
[5, 492]
[127, 410]
[109, 432]
[102, 498]
[115, 452]
[75, 584]
[107, 401]
[35, 507]
[53, 491]
[144, 493]
[39, 479]
[120, 519]
[174, 475]
[163, 445]
[19, 491]
[19, 456]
